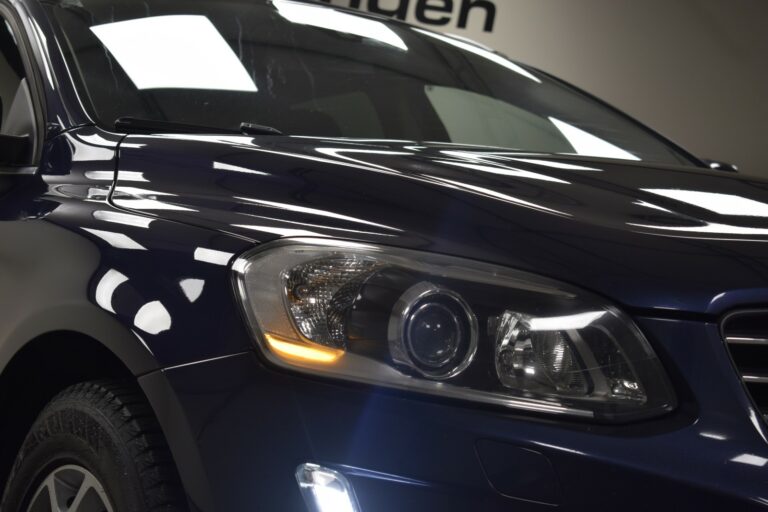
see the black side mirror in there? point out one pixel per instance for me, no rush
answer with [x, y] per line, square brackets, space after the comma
[721, 166]
[14, 150]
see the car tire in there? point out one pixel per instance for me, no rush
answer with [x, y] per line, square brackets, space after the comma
[101, 440]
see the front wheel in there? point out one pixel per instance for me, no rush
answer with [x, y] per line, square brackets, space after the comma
[96, 447]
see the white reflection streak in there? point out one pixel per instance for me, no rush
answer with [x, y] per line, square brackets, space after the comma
[501, 197]
[283, 232]
[236, 168]
[149, 204]
[106, 288]
[132, 176]
[153, 318]
[126, 219]
[313, 211]
[559, 448]
[100, 175]
[141, 192]
[236, 141]
[566, 323]
[310, 225]
[724, 204]
[88, 153]
[482, 158]
[192, 288]
[98, 193]
[141, 199]
[712, 435]
[363, 165]
[144, 343]
[99, 141]
[517, 173]
[758, 423]
[213, 256]
[587, 144]
[43, 41]
[331, 19]
[339, 153]
[652, 206]
[482, 52]
[752, 460]
[555, 165]
[353, 139]
[717, 229]
[117, 240]
[175, 52]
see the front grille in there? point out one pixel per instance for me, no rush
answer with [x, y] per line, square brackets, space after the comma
[747, 336]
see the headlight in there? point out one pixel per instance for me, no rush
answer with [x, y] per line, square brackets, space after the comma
[448, 327]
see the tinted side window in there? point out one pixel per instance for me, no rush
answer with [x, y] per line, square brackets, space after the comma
[11, 69]
[17, 120]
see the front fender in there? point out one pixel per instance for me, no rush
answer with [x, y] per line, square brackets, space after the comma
[156, 293]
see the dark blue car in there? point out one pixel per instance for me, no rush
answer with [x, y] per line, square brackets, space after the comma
[274, 255]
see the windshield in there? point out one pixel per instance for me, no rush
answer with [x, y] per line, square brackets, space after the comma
[311, 70]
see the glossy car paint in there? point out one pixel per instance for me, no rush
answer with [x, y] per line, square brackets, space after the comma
[135, 252]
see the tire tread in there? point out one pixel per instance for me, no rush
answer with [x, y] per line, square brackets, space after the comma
[125, 409]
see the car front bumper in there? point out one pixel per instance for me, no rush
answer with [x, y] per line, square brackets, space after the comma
[239, 430]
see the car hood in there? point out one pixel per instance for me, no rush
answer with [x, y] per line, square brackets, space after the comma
[648, 237]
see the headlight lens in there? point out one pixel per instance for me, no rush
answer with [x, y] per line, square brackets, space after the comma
[449, 327]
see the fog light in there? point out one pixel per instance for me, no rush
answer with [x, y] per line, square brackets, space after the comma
[325, 490]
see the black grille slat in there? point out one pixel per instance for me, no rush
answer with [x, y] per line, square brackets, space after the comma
[749, 359]
[755, 377]
[746, 334]
[747, 324]
[744, 340]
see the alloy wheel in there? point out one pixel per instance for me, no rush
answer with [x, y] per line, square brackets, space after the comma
[70, 489]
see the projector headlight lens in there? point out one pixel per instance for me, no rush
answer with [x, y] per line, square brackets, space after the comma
[446, 326]
[433, 331]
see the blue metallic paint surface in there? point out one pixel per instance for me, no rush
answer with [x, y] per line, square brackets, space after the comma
[685, 460]
[593, 224]
[86, 249]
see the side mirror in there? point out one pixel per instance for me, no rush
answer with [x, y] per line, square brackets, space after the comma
[14, 150]
[721, 166]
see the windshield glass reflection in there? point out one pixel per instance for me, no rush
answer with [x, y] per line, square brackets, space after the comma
[311, 70]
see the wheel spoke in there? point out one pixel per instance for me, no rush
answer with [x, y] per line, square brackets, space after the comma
[86, 486]
[90, 497]
[42, 501]
[52, 496]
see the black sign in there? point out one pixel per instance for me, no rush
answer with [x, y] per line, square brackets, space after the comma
[434, 12]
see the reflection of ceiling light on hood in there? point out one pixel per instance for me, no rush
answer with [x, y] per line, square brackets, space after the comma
[652, 206]
[331, 19]
[482, 52]
[556, 165]
[752, 460]
[175, 52]
[498, 195]
[507, 171]
[710, 228]
[588, 145]
[724, 204]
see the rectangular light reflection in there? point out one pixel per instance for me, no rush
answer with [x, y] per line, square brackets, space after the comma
[175, 52]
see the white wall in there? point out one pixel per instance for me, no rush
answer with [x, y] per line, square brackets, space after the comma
[695, 70]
